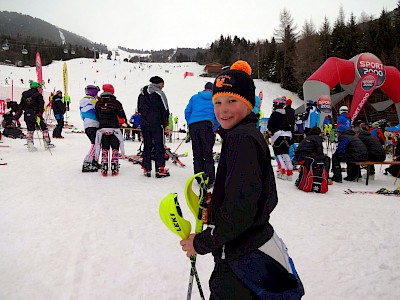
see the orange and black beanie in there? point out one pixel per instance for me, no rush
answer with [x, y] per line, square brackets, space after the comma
[236, 82]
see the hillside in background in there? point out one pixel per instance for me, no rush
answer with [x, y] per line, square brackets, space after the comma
[20, 31]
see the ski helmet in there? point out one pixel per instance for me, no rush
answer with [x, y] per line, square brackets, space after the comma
[91, 90]
[343, 109]
[34, 85]
[278, 103]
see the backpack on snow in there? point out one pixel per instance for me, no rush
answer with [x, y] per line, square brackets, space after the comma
[314, 174]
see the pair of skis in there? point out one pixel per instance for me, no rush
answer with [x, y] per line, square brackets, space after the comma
[171, 215]
[382, 191]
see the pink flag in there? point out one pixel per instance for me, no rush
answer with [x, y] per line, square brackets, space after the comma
[187, 74]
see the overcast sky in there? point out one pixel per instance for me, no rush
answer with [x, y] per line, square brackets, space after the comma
[165, 24]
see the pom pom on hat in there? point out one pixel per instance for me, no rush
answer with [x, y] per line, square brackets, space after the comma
[156, 80]
[241, 65]
[237, 83]
[108, 88]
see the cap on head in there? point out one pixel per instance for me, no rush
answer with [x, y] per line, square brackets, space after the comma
[237, 83]
[289, 102]
[34, 85]
[208, 86]
[108, 88]
[156, 80]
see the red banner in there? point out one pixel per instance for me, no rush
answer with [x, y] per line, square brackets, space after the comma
[3, 107]
[364, 88]
[187, 74]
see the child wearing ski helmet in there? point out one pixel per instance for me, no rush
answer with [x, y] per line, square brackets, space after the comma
[343, 118]
[111, 116]
[279, 127]
[32, 104]
[239, 234]
[91, 124]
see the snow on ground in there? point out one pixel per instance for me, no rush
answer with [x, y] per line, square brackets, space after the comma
[69, 235]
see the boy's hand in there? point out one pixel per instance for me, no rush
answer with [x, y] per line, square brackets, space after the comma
[187, 245]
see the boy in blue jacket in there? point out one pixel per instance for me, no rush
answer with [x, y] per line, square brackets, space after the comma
[251, 261]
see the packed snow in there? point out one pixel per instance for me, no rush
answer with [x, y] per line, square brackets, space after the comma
[72, 235]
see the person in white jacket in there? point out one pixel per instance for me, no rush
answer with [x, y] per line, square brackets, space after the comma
[91, 124]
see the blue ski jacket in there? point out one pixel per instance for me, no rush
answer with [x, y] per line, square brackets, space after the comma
[201, 108]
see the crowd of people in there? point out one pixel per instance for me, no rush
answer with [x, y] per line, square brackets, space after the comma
[251, 261]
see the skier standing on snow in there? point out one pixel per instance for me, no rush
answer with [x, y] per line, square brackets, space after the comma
[278, 124]
[32, 104]
[111, 116]
[91, 124]
[154, 112]
[59, 111]
[201, 120]
[251, 261]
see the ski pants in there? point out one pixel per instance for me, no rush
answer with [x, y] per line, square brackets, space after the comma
[108, 141]
[91, 134]
[203, 141]
[60, 124]
[153, 135]
[31, 122]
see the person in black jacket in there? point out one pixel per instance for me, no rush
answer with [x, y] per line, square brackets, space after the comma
[311, 145]
[154, 112]
[278, 124]
[375, 150]
[111, 117]
[349, 149]
[290, 113]
[59, 110]
[32, 104]
[251, 261]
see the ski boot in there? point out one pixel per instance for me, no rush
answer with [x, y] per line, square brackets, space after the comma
[96, 164]
[88, 167]
[31, 147]
[104, 169]
[48, 145]
[146, 173]
[114, 169]
[162, 172]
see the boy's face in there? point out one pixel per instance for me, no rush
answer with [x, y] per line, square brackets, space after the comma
[229, 111]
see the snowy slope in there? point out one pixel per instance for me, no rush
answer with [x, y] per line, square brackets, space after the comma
[68, 235]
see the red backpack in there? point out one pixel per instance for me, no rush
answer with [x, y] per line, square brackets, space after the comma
[314, 175]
